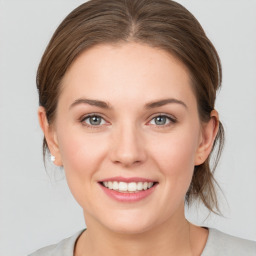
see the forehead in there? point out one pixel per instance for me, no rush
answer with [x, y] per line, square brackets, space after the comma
[126, 71]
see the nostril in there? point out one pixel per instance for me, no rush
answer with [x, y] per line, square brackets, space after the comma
[127, 149]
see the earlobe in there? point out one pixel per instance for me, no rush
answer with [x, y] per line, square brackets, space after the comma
[50, 136]
[208, 135]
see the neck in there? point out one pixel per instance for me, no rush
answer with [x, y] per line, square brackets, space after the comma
[170, 238]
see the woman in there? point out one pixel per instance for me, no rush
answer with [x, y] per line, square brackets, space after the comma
[127, 92]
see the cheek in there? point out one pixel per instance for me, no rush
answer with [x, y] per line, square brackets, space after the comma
[175, 156]
[80, 151]
[82, 156]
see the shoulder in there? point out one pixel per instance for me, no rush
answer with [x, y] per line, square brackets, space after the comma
[221, 244]
[63, 248]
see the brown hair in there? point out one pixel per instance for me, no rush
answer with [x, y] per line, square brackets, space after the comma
[159, 23]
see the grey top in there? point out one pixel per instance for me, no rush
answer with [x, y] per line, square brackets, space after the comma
[218, 244]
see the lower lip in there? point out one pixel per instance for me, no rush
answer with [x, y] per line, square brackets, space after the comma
[129, 196]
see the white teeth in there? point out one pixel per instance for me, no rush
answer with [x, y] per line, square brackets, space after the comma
[115, 185]
[128, 187]
[123, 186]
[132, 187]
[150, 184]
[139, 186]
[110, 185]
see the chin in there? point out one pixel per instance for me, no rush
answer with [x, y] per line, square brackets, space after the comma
[128, 229]
[130, 224]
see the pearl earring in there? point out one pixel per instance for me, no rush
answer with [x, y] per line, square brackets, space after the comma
[52, 158]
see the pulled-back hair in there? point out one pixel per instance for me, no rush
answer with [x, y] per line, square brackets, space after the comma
[164, 24]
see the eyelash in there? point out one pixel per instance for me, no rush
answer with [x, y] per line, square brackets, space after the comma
[83, 119]
[172, 120]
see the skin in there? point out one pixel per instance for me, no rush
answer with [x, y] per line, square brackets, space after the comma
[128, 142]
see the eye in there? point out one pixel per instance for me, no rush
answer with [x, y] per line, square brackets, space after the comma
[94, 120]
[162, 120]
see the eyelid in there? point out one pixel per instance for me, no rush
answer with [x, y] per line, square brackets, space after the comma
[84, 117]
[171, 118]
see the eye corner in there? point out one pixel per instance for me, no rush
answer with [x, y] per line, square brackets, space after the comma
[164, 120]
[93, 120]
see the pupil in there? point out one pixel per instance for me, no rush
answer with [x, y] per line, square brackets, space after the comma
[95, 120]
[160, 120]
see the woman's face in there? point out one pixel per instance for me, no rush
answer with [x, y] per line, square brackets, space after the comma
[127, 116]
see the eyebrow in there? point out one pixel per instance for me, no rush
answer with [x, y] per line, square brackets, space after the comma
[163, 102]
[105, 105]
[97, 103]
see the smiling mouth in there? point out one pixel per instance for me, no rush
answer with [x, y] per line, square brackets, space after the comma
[128, 187]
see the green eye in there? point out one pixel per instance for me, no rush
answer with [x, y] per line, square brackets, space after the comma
[162, 120]
[94, 120]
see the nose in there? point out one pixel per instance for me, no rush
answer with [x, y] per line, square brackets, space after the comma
[127, 146]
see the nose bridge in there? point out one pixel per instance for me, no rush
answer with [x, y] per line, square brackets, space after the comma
[128, 147]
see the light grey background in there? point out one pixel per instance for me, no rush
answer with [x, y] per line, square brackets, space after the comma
[37, 208]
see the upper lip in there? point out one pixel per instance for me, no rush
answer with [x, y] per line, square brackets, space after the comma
[127, 180]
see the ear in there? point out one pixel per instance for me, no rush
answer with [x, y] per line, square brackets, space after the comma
[50, 136]
[208, 135]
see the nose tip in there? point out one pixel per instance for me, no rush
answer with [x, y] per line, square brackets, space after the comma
[127, 159]
[128, 148]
